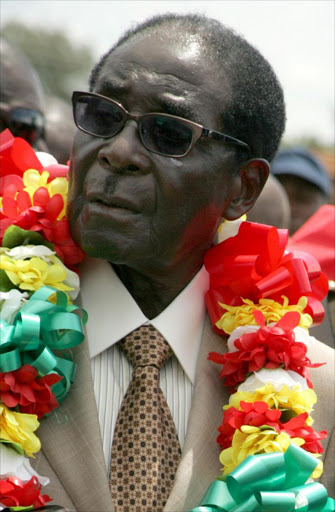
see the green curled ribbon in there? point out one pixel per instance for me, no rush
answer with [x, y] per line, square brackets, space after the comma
[39, 328]
[270, 482]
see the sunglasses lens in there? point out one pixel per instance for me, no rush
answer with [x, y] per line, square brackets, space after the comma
[27, 124]
[97, 116]
[165, 135]
[162, 134]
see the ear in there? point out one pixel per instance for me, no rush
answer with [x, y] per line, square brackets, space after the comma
[248, 184]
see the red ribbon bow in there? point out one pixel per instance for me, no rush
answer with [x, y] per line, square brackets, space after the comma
[254, 264]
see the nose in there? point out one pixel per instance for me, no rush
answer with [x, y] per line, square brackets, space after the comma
[124, 151]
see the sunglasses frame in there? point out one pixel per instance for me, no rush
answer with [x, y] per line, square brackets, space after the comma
[198, 131]
[6, 114]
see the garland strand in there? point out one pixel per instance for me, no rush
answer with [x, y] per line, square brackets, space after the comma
[265, 299]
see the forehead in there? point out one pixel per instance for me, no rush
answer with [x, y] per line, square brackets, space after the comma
[157, 67]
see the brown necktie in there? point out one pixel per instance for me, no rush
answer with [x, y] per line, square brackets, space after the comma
[145, 451]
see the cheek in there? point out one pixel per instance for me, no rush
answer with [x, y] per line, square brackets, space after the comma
[203, 226]
[194, 210]
[84, 153]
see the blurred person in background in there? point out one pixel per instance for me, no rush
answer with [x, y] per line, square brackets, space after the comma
[21, 97]
[272, 206]
[60, 128]
[312, 226]
[306, 182]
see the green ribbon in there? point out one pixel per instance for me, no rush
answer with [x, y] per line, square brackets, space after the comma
[270, 482]
[39, 328]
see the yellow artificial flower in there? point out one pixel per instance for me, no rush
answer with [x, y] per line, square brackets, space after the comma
[298, 400]
[253, 440]
[273, 311]
[31, 274]
[19, 428]
[59, 186]
[33, 180]
[229, 228]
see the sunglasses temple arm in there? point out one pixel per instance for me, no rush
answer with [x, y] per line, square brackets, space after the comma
[211, 134]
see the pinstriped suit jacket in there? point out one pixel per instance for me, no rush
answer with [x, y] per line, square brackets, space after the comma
[72, 453]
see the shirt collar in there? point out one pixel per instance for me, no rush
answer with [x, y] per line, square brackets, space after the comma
[113, 313]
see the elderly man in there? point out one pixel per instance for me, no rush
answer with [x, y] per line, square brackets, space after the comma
[175, 134]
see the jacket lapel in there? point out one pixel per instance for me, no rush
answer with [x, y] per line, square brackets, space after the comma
[71, 443]
[200, 458]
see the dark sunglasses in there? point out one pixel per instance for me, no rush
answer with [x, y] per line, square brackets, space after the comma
[163, 134]
[23, 122]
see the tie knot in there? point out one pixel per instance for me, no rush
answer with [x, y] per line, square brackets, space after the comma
[146, 347]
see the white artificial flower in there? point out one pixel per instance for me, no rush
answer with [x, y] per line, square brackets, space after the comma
[10, 303]
[72, 280]
[14, 464]
[23, 252]
[277, 377]
[229, 228]
[46, 159]
[237, 333]
[302, 336]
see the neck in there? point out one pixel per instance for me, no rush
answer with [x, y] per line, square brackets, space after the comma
[153, 293]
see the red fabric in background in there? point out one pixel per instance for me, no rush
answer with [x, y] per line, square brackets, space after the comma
[317, 236]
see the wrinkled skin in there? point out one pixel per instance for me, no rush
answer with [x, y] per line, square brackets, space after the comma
[150, 217]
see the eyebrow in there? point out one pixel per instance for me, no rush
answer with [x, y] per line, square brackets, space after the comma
[177, 109]
[111, 88]
[114, 88]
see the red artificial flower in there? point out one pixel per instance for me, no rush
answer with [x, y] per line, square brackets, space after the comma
[39, 214]
[296, 427]
[16, 155]
[44, 221]
[32, 395]
[268, 347]
[59, 235]
[15, 493]
[257, 414]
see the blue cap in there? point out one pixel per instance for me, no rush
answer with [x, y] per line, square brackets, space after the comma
[300, 162]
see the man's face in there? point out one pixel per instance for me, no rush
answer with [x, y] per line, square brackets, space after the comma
[134, 207]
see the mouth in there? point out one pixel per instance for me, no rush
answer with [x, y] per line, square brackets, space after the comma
[113, 203]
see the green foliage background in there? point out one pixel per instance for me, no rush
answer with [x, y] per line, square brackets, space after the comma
[61, 64]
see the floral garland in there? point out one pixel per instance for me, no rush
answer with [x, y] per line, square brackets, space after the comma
[265, 299]
[38, 282]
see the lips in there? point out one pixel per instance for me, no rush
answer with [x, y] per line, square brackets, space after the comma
[113, 202]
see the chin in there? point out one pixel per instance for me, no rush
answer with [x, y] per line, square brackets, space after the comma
[96, 245]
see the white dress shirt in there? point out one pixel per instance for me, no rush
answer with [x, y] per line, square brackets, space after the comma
[112, 314]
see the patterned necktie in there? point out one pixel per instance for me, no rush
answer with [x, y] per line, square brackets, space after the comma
[145, 451]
